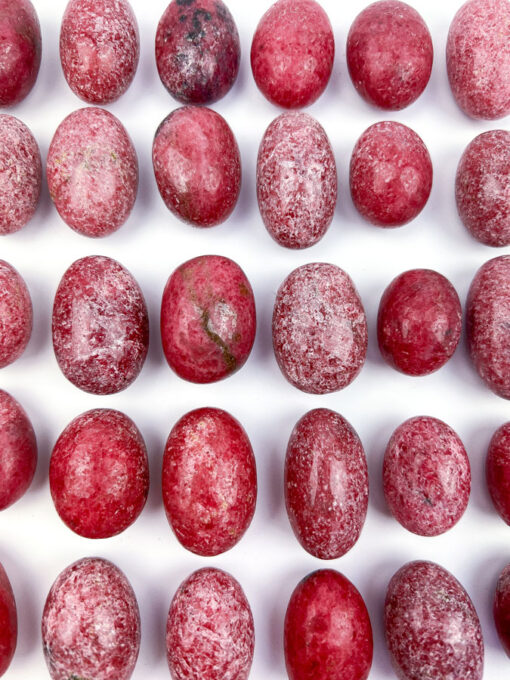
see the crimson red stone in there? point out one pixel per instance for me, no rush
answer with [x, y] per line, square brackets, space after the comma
[15, 314]
[99, 473]
[426, 476]
[488, 324]
[482, 188]
[209, 481]
[478, 58]
[92, 172]
[498, 471]
[326, 484]
[292, 53]
[99, 48]
[8, 622]
[432, 628]
[100, 325]
[20, 50]
[209, 632]
[390, 174]
[91, 623]
[197, 166]
[319, 329]
[208, 319]
[327, 635]
[197, 50]
[296, 180]
[18, 451]
[419, 322]
[389, 54]
[20, 174]
[501, 608]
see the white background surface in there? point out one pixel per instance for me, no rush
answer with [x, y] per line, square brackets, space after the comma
[35, 545]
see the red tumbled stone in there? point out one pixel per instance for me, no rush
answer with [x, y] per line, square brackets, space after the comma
[99, 474]
[501, 608]
[419, 322]
[292, 53]
[8, 622]
[327, 634]
[209, 481]
[432, 628]
[498, 471]
[15, 314]
[478, 58]
[390, 174]
[197, 50]
[426, 476]
[208, 319]
[210, 633]
[389, 54]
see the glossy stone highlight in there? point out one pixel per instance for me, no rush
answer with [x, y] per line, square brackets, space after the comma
[292, 53]
[419, 322]
[327, 634]
[197, 50]
[208, 319]
[99, 473]
[432, 628]
[426, 476]
[296, 180]
[209, 481]
[210, 633]
[319, 329]
[91, 623]
[389, 54]
[18, 451]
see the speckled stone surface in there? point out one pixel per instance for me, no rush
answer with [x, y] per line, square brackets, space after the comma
[389, 54]
[15, 314]
[18, 451]
[210, 633]
[92, 172]
[419, 322]
[296, 180]
[478, 58]
[197, 50]
[426, 476]
[20, 50]
[501, 608]
[292, 53]
[91, 623]
[488, 324]
[319, 328]
[326, 483]
[327, 634]
[99, 48]
[208, 319]
[197, 165]
[100, 325]
[209, 481]
[432, 628]
[20, 174]
[8, 622]
[99, 473]
[498, 472]
[482, 188]
[390, 174]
